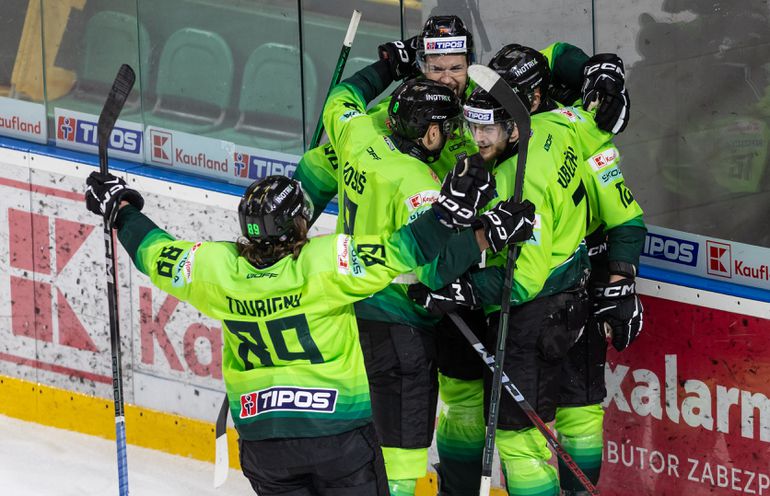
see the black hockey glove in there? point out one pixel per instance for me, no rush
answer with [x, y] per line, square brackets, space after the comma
[104, 191]
[604, 85]
[401, 57]
[617, 305]
[467, 187]
[508, 222]
[445, 300]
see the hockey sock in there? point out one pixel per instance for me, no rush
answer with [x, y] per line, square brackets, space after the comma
[580, 432]
[524, 456]
[460, 436]
[403, 467]
[402, 487]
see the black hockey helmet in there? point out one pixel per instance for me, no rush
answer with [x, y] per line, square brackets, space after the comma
[445, 35]
[524, 68]
[268, 209]
[419, 102]
[482, 109]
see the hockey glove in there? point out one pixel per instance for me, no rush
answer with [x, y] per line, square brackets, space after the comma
[445, 300]
[617, 305]
[604, 86]
[509, 222]
[401, 57]
[104, 191]
[467, 187]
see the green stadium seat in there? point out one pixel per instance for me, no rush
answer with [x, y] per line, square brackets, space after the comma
[270, 110]
[194, 82]
[110, 40]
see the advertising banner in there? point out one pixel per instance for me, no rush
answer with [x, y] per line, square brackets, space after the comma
[23, 120]
[687, 405]
[708, 257]
[77, 131]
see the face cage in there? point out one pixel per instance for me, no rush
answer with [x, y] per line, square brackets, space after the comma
[506, 127]
[453, 127]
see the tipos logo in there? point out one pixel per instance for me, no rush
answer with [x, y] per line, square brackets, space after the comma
[719, 259]
[288, 399]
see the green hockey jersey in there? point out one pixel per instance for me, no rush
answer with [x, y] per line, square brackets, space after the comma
[292, 362]
[379, 190]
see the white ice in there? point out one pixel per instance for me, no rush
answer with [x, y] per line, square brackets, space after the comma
[36, 460]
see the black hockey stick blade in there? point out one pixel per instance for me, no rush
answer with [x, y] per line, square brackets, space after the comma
[507, 97]
[121, 87]
[221, 458]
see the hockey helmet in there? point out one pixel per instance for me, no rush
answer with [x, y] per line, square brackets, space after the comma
[419, 102]
[268, 208]
[523, 68]
[444, 35]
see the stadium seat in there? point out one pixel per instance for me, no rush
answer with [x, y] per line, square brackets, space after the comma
[110, 40]
[194, 82]
[270, 104]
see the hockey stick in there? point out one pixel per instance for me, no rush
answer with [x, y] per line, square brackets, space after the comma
[337, 75]
[121, 87]
[511, 388]
[504, 94]
[221, 457]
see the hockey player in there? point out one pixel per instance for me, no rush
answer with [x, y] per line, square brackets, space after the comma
[461, 426]
[443, 51]
[615, 237]
[385, 182]
[292, 363]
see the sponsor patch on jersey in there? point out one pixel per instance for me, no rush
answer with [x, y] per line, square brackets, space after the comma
[448, 44]
[184, 267]
[356, 267]
[422, 198]
[288, 399]
[569, 113]
[609, 175]
[535, 239]
[343, 254]
[349, 115]
[604, 158]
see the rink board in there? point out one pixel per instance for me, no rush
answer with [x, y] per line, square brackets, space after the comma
[687, 409]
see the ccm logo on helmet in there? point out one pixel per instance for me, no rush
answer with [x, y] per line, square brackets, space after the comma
[452, 44]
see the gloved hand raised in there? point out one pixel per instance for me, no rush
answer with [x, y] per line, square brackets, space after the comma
[105, 191]
[508, 222]
[445, 300]
[467, 187]
[617, 305]
[401, 57]
[604, 86]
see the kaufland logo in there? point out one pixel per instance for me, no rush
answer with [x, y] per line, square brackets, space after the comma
[84, 132]
[719, 259]
[256, 167]
[722, 263]
[162, 147]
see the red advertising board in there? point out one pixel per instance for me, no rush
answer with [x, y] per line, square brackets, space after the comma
[687, 405]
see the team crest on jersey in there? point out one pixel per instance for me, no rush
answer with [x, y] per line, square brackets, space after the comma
[184, 268]
[422, 198]
[288, 399]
